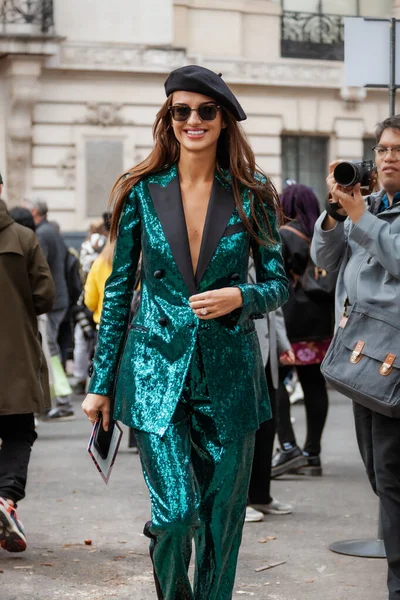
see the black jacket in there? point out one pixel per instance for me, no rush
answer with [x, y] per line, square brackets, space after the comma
[306, 319]
[55, 252]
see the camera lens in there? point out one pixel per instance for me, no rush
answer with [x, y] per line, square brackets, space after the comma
[346, 174]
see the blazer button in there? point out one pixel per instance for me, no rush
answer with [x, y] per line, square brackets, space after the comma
[163, 321]
[159, 274]
[235, 277]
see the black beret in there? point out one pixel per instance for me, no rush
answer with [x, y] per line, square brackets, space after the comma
[194, 78]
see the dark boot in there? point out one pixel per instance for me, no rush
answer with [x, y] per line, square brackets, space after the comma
[285, 461]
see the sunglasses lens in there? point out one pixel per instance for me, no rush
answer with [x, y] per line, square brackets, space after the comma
[180, 113]
[208, 112]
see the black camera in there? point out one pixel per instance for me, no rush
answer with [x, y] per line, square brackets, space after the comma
[349, 174]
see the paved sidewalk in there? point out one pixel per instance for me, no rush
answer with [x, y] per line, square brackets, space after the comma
[67, 503]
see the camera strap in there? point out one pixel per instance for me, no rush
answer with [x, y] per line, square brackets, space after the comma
[332, 208]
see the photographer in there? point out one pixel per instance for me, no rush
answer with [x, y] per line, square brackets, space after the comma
[366, 248]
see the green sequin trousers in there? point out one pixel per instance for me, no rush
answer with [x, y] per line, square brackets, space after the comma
[198, 489]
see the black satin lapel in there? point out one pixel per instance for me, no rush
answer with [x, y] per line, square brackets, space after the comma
[219, 212]
[168, 205]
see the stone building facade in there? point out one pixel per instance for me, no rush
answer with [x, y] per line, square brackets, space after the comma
[81, 82]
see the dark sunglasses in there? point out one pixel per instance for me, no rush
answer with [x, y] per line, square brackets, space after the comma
[182, 112]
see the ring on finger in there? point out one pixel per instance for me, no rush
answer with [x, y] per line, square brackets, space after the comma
[204, 311]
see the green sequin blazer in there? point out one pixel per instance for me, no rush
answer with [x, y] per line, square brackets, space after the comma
[155, 358]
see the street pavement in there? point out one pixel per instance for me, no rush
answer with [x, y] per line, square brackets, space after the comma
[67, 504]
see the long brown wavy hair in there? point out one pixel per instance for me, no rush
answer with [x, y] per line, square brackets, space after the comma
[234, 153]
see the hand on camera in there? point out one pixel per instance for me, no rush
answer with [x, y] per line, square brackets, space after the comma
[351, 200]
[332, 185]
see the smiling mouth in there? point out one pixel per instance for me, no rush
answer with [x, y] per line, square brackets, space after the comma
[195, 132]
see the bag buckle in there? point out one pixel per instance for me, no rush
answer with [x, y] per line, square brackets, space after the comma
[387, 365]
[356, 355]
[319, 273]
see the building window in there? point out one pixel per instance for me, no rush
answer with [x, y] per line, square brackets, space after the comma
[315, 28]
[104, 163]
[305, 160]
[17, 15]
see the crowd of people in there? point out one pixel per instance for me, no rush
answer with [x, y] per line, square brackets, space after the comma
[45, 324]
[200, 269]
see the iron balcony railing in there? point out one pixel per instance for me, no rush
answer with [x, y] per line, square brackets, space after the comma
[312, 35]
[14, 14]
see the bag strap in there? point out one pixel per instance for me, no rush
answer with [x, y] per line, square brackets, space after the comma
[296, 277]
[297, 232]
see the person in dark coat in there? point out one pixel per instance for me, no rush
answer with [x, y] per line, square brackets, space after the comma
[309, 324]
[27, 290]
[55, 252]
[275, 348]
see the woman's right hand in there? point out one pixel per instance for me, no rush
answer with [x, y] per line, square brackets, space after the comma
[329, 222]
[333, 187]
[330, 180]
[94, 404]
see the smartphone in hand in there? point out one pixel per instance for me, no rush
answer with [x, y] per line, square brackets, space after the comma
[102, 438]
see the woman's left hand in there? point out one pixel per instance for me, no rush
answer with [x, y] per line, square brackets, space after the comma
[216, 302]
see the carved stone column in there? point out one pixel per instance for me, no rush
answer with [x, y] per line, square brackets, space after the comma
[23, 75]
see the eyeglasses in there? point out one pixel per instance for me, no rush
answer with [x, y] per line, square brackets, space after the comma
[381, 151]
[182, 112]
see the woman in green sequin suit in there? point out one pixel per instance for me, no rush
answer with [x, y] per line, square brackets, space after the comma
[190, 375]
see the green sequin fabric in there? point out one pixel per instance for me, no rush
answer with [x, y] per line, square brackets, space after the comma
[198, 489]
[162, 336]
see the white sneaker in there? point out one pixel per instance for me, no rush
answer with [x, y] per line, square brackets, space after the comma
[297, 395]
[253, 516]
[274, 508]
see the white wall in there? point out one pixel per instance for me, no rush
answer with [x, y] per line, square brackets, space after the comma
[61, 124]
[228, 29]
[238, 37]
[118, 21]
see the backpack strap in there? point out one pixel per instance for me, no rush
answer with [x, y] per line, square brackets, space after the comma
[297, 232]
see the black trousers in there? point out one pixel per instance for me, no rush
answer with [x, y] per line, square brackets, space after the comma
[316, 404]
[260, 480]
[378, 439]
[17, 434]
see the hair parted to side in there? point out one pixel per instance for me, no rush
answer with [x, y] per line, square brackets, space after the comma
[234, 153]
[389, 123]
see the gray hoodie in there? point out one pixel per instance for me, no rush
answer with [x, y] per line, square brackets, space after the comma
[367, 254]
[271, 332]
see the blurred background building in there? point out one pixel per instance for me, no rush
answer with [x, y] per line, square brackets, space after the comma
[81, 82]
